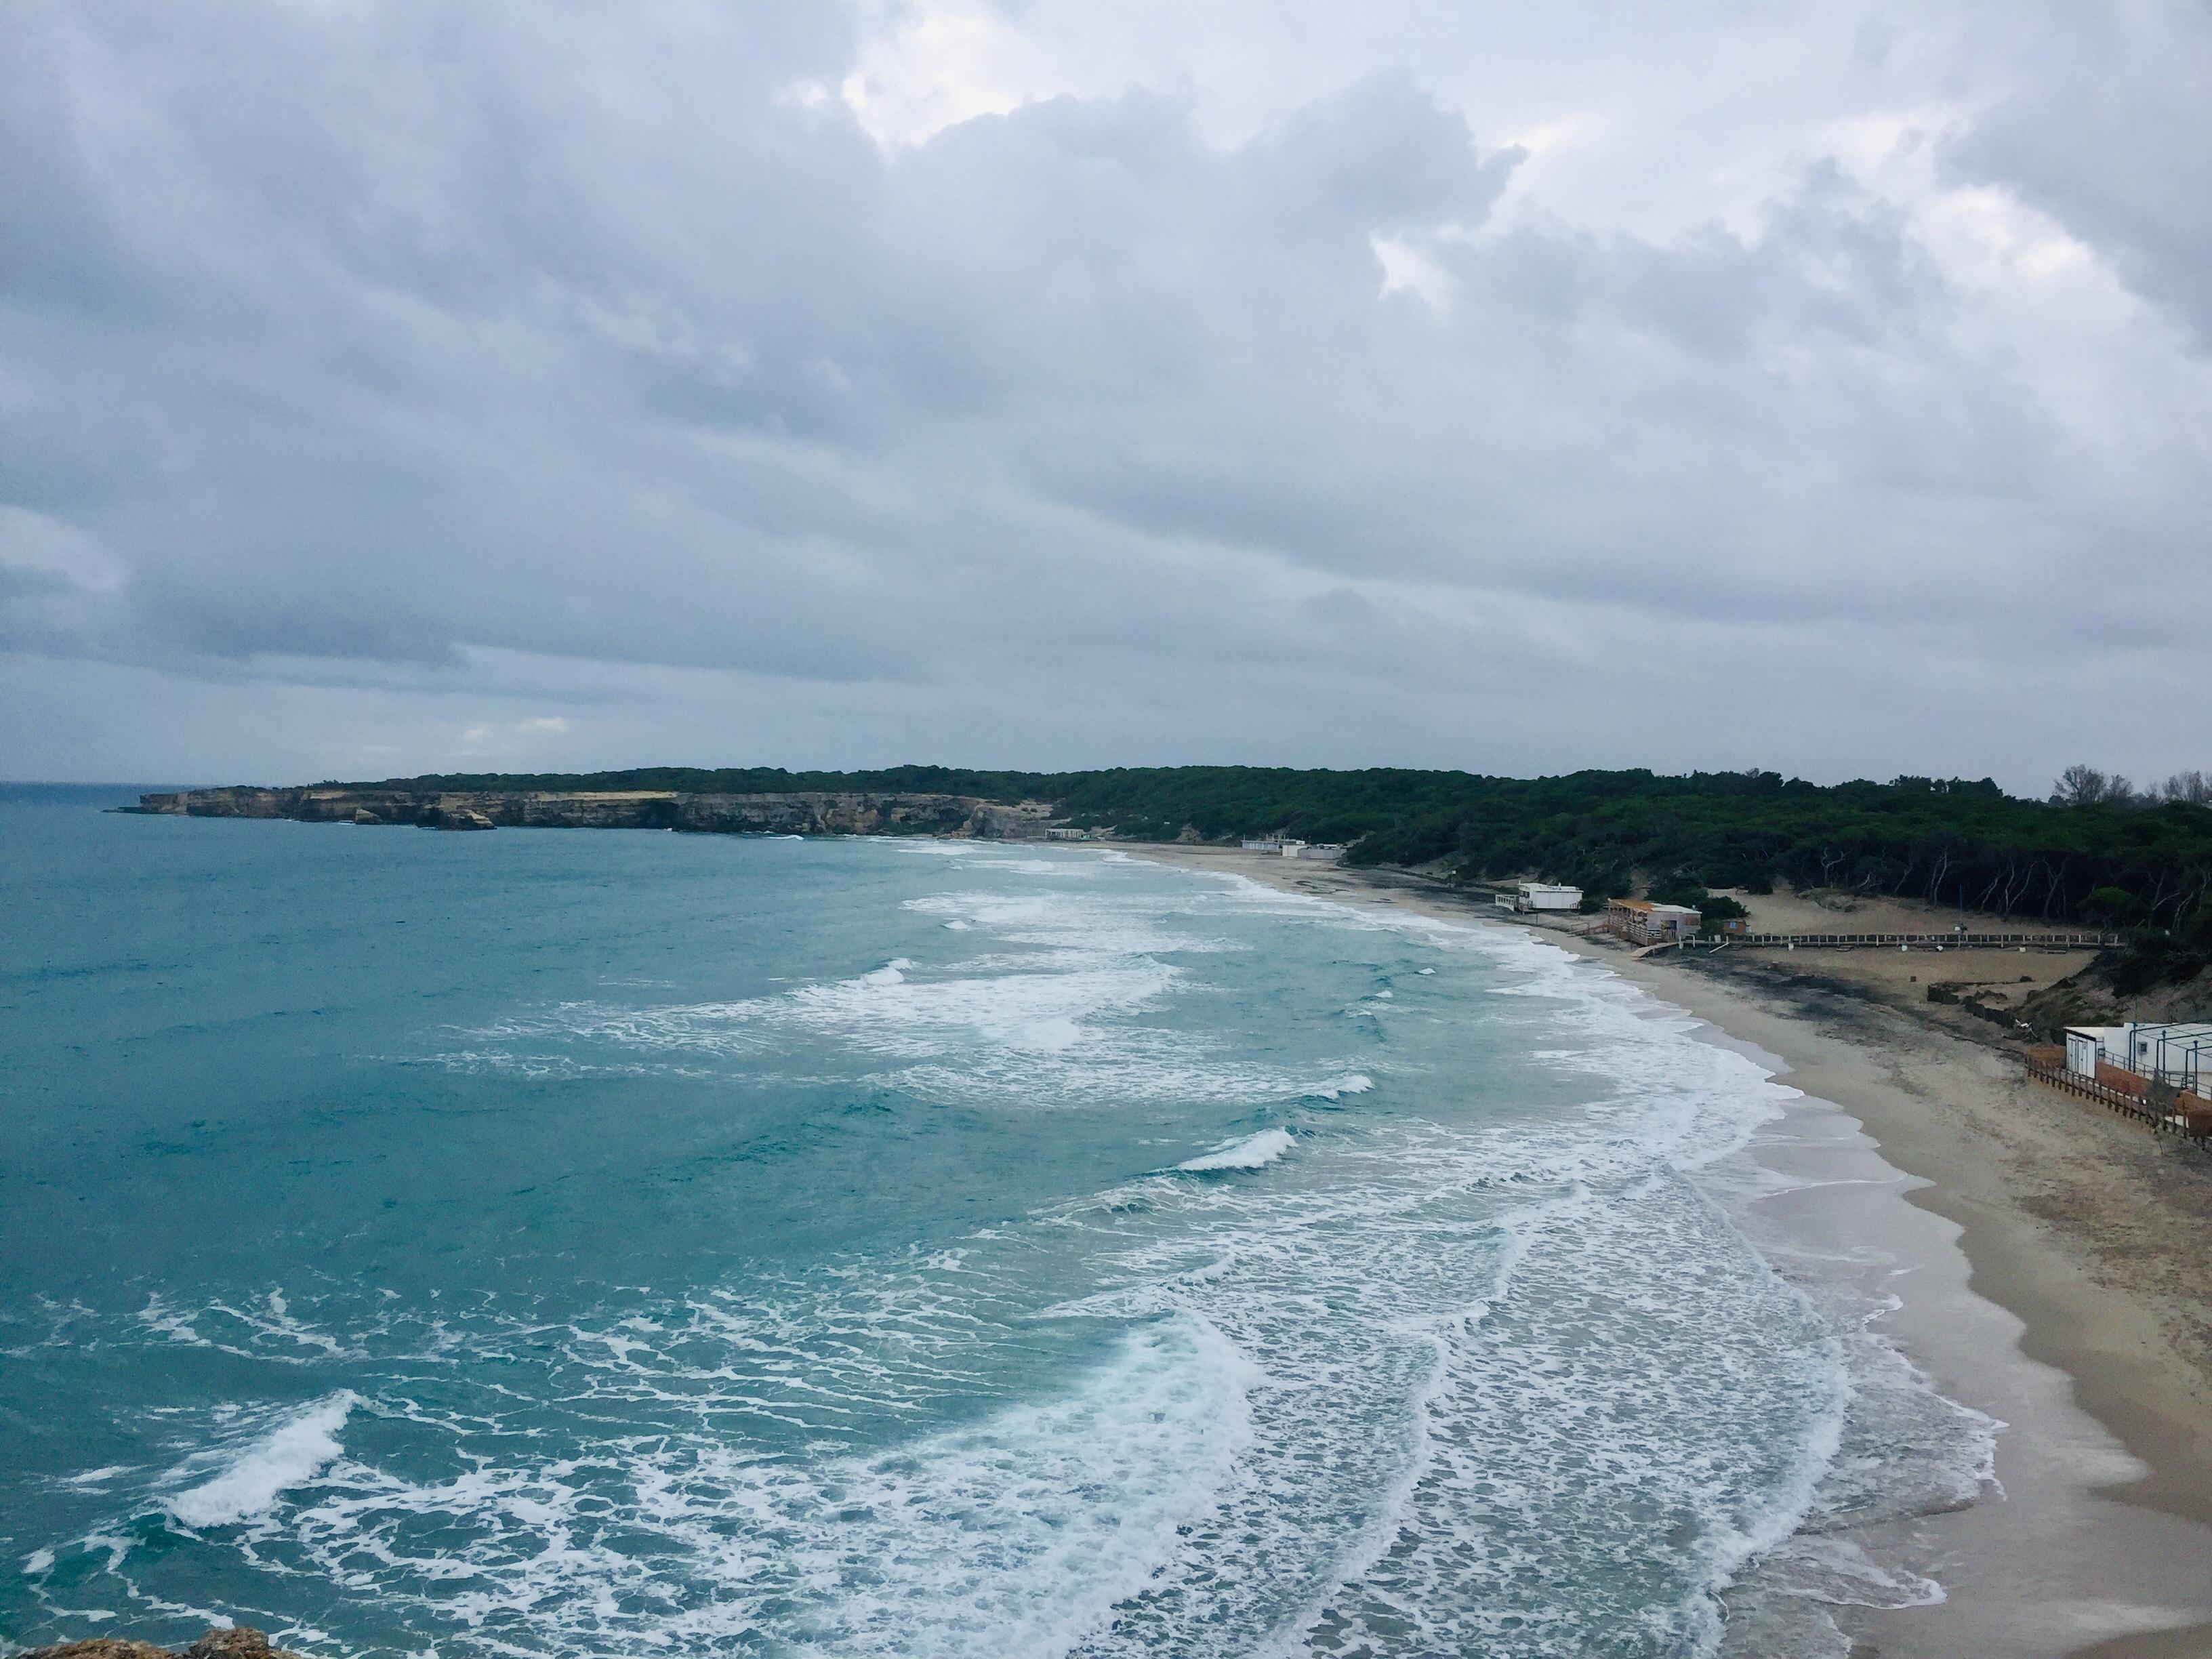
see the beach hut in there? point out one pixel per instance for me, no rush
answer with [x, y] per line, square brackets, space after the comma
[1546, 896]
[2086, 1047]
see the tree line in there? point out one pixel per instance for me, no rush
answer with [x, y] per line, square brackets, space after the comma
[2098, 851]
[2085, 786]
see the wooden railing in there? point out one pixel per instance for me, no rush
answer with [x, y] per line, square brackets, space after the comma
[1932, 941]
[2126, 1105]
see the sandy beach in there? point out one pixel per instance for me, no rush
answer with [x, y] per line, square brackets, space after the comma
[2041, 1256]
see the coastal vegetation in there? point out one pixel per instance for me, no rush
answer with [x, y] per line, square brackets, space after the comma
[2097, 851]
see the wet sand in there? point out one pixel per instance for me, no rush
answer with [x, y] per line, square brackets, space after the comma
[2048, 1262]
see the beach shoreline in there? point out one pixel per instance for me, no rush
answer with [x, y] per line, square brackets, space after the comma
[2034, 1249]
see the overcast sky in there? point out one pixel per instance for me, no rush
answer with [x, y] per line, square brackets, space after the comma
[391, 387]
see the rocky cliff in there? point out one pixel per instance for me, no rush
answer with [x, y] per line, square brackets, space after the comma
[800, 814]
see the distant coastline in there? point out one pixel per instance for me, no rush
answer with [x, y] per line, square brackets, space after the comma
[842, 812]
[2141, 863]
[2134, 873]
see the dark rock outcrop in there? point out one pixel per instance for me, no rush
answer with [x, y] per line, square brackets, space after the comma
[446, 816]
[795, 814]
[241, 1642]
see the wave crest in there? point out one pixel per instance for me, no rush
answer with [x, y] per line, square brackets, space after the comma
[1253, 1152]
[299, 1448]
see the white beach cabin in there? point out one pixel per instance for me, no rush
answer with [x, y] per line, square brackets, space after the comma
[2180, 1055]
[1546, 896]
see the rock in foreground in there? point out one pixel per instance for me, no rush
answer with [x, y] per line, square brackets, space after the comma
[241, 1642]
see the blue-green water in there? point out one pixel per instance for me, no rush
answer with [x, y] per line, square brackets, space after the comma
[560, 1242]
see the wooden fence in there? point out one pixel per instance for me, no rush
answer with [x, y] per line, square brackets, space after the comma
[2197, 1126]
[1929, 941]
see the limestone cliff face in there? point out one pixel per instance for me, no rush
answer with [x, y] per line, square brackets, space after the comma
[801, 814]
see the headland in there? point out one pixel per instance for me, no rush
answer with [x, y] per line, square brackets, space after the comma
[800, 812]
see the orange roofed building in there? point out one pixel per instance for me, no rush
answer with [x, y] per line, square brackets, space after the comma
[1640, 921]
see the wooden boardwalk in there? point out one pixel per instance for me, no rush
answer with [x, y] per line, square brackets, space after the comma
[2127, 1105]
[1927, 941]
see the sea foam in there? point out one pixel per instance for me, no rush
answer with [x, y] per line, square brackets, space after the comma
[299, 1447]
[1057, 1009]
[1012, 1536]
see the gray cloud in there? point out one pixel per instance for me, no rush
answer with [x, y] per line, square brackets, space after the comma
[2106, 125]
[382, 382]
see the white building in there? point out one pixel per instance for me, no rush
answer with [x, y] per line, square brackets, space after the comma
[1263, 843]
[2085, 1045]
[1327, 851]
[1545, 895]
[2180, 1055]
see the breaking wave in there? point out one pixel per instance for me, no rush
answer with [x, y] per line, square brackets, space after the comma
[1253, 1152]
[293, 1451]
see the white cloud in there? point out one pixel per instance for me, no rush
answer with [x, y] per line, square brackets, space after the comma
[1407, 268]
[928, 66]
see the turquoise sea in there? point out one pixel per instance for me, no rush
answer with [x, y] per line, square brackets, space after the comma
[561, 1242]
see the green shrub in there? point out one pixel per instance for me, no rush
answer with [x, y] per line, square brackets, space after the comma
[2112, 907]
[2195, 930]
[2152, 956]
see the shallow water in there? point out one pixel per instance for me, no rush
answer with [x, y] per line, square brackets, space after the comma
[552, 1242]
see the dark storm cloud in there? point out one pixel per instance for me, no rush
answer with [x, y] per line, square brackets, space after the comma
[380, 347]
